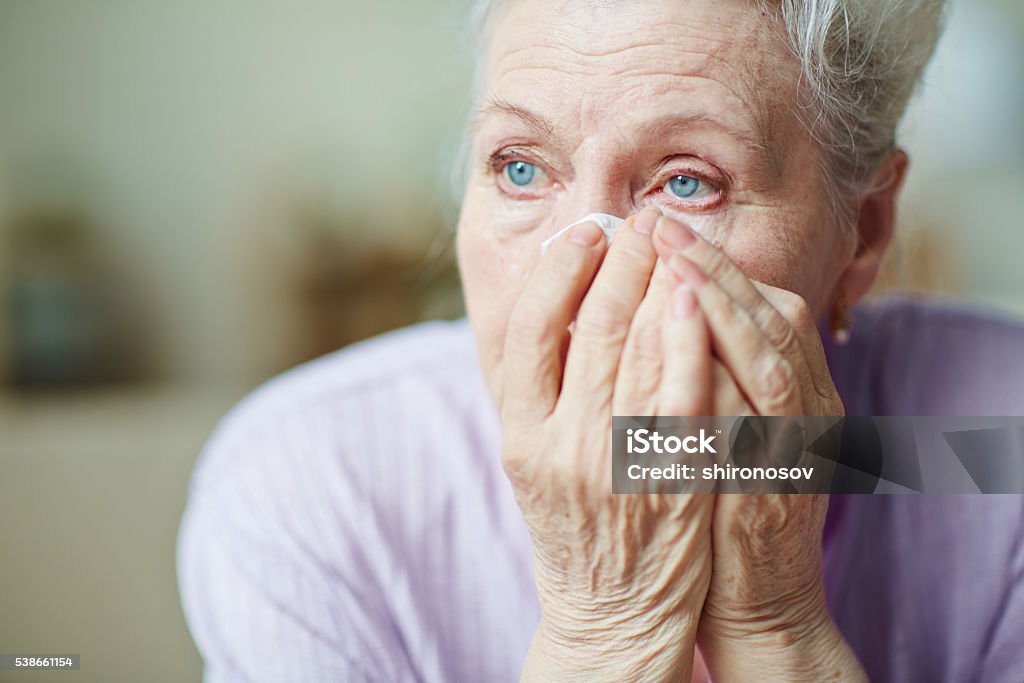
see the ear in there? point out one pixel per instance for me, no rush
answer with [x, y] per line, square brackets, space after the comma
[876, 223]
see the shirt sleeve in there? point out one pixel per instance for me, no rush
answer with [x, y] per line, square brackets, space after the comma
[276, 582]
[1003, 659]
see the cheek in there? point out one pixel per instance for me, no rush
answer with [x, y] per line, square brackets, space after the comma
[783, 254]
[494, 273]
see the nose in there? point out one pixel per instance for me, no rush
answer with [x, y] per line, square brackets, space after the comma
[595, 190]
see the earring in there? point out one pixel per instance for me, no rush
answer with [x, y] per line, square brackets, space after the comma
[841, 322]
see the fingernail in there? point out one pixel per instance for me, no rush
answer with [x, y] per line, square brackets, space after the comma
[586, 234]
[675, 234]
[646, 220]
[684, 303]
[687, 271]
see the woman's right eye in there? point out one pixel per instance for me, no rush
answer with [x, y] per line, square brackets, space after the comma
[519, 178]
[521, 173]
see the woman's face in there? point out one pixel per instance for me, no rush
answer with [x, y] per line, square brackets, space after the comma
[687, 105]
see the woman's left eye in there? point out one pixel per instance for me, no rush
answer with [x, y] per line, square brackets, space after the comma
[687, 187]
[521, 173]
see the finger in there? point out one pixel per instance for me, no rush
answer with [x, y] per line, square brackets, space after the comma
[728, 398]
[538, 325]
[639, 376]
[686, 380]
[606, 314]
[672, 237]
[763, 373]
[793, 307]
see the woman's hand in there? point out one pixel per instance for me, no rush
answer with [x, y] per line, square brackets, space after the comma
[765, 616]
[621, 579]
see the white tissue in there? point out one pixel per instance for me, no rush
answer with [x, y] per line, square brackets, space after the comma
[609, 225]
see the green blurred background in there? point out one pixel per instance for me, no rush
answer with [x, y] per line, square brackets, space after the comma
[195, 196]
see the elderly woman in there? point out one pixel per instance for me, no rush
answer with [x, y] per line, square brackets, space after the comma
[436, 504]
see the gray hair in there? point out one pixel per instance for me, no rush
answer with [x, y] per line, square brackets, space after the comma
[861, 61]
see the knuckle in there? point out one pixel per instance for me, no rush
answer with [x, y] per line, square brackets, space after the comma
[514, 464]
[794, 308]
[777, 329]
[630, 254]
[601, 319]
[531, 325]
[787, 340]
[716, 264]
[765, 520]
[783, 321]
[776, 382]
[800, 314]
[643, 349]
[514, 458]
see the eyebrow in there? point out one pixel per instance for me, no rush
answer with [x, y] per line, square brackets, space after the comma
[767, 161]
[496, 105]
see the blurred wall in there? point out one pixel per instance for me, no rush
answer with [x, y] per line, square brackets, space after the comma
[964, 199]
[236, 171]
[91, 493]
[208, 144]
[193, 135]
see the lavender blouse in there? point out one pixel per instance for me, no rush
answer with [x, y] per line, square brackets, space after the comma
[350, 521]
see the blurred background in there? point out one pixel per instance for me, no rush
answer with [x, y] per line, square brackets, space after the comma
[196, 195]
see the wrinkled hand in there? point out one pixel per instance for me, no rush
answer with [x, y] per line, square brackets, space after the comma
[621, 579]
[765, 616]
[627, 584]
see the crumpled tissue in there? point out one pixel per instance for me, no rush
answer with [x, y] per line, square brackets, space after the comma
[609, 225]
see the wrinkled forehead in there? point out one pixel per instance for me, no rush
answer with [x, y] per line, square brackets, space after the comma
[596, 64]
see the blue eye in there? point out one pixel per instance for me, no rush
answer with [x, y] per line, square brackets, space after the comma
[684, 187]
[520, 172]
